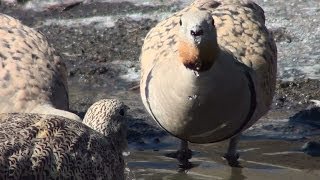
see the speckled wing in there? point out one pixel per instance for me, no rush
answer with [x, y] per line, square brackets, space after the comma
[52, 147]
[30, 72]
[241, 31]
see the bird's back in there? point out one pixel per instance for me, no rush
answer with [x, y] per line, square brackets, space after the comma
[53, 147]
[30, 72]
[242, 32]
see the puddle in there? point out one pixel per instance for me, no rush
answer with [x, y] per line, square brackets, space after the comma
[208, 163]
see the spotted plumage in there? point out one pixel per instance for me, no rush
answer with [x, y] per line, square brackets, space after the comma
[209, 70]
[30, 72]
[35, 146]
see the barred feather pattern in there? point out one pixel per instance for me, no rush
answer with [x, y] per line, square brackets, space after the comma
[30, 71]
[35, 146]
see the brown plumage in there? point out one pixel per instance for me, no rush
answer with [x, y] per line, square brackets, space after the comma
[35, 146]
[30, 72]
[209, 71]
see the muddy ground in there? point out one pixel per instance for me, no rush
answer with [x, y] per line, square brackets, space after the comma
[89, 52]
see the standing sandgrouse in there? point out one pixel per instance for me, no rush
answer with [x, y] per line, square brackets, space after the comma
[32, 77]
[40, 146]
[209, 72]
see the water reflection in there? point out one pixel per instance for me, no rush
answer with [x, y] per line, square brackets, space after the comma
[236, 174]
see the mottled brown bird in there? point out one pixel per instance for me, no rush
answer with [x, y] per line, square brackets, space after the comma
[209, 72]
[38, 146]
[32, 77]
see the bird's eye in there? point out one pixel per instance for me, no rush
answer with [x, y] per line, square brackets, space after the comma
[121, 112]
[180, 22]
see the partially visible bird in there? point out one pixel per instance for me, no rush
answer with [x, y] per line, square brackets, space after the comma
[32, 77]
[37, 146]
[209, 72]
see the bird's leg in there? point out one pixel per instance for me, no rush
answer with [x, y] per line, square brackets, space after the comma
[183, 155]
[232, 155]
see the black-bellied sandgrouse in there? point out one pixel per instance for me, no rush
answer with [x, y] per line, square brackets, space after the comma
[39, 146]
[209, 72]
[32, 77]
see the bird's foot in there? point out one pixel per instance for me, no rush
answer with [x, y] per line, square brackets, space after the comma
[183, 157]
[232, 159]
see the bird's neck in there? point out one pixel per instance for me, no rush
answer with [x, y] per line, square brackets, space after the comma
[199, 58]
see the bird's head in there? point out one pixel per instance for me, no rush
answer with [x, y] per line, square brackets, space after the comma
[197, 40]
[107, 116]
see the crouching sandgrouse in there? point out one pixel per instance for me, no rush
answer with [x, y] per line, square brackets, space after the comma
[41, 146]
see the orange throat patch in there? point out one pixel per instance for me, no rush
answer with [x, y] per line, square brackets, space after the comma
[191, 57]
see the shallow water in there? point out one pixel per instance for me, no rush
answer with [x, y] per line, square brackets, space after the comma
[259, 160]
[141, 167]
